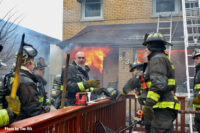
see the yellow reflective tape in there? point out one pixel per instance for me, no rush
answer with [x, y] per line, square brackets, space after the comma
[153, 95]
[171, 82]
[11, 80]
[91, 89]
[171, 105]
[81, 86]
[148, 84]
[4, 118]
[113, 92]
[155, 35]
[61, 87]
[123, 93]
[175, 98]
[41, 99]
[47, 100]
[197, 86]
[150, 36]
[177, 106]
[161, 35]
[172, 66]
[87, 90]
[196, 105]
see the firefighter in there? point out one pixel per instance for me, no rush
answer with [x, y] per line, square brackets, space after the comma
[78, 79]
[196, 100]
[134, 83]
[27, 87]
[161, 105]
[56, 91]
[39, 71]
[8, 114]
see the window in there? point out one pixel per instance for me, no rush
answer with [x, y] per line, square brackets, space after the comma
[166, 7]
[91, 9]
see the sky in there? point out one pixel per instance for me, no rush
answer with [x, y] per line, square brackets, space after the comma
[43, 16]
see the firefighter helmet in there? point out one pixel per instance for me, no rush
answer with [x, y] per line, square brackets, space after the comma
[28, 52]
[40, 63]
[155, 36]
[196, 53]
[135, 65]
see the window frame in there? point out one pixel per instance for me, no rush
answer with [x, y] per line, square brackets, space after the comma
[95, 18]
[177, 12]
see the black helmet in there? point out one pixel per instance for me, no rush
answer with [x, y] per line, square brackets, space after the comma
[155, 37]
[40, 63]
[135, 65]
[196, 53]
[28, 52]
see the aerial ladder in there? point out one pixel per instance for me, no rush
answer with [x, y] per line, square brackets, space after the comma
[191, 25]
[164, 26]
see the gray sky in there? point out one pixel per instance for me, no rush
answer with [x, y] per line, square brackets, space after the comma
[43, 16]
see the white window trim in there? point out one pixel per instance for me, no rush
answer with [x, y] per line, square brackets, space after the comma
[177, 11]
[98, 18]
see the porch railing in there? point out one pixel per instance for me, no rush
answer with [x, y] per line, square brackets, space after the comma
[79, 119]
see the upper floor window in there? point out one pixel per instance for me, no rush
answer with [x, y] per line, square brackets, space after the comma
[91, 9]
[166, 7]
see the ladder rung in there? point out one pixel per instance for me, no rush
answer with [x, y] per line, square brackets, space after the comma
[191, 77]
[193, 17]
[166, 34]
[191, 1]
[193, 44]
[165, 21]
[190, 55]
[194, 34]
[194, 8]
[164, 28]
[193, 25]
[191, 66]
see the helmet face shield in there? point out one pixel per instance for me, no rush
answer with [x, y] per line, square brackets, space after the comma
[30, 52]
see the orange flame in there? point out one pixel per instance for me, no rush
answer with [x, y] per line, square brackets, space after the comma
[94, 56]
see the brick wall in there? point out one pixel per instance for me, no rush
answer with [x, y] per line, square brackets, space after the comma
[114, 12]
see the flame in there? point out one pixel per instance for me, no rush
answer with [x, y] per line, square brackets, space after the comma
[94, 56]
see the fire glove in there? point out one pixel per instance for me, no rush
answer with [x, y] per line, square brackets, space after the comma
[111, 92]
[196, 100]
[98, 91]
[148, 112]
[141, 100]
[14, 104]
[92, 83]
